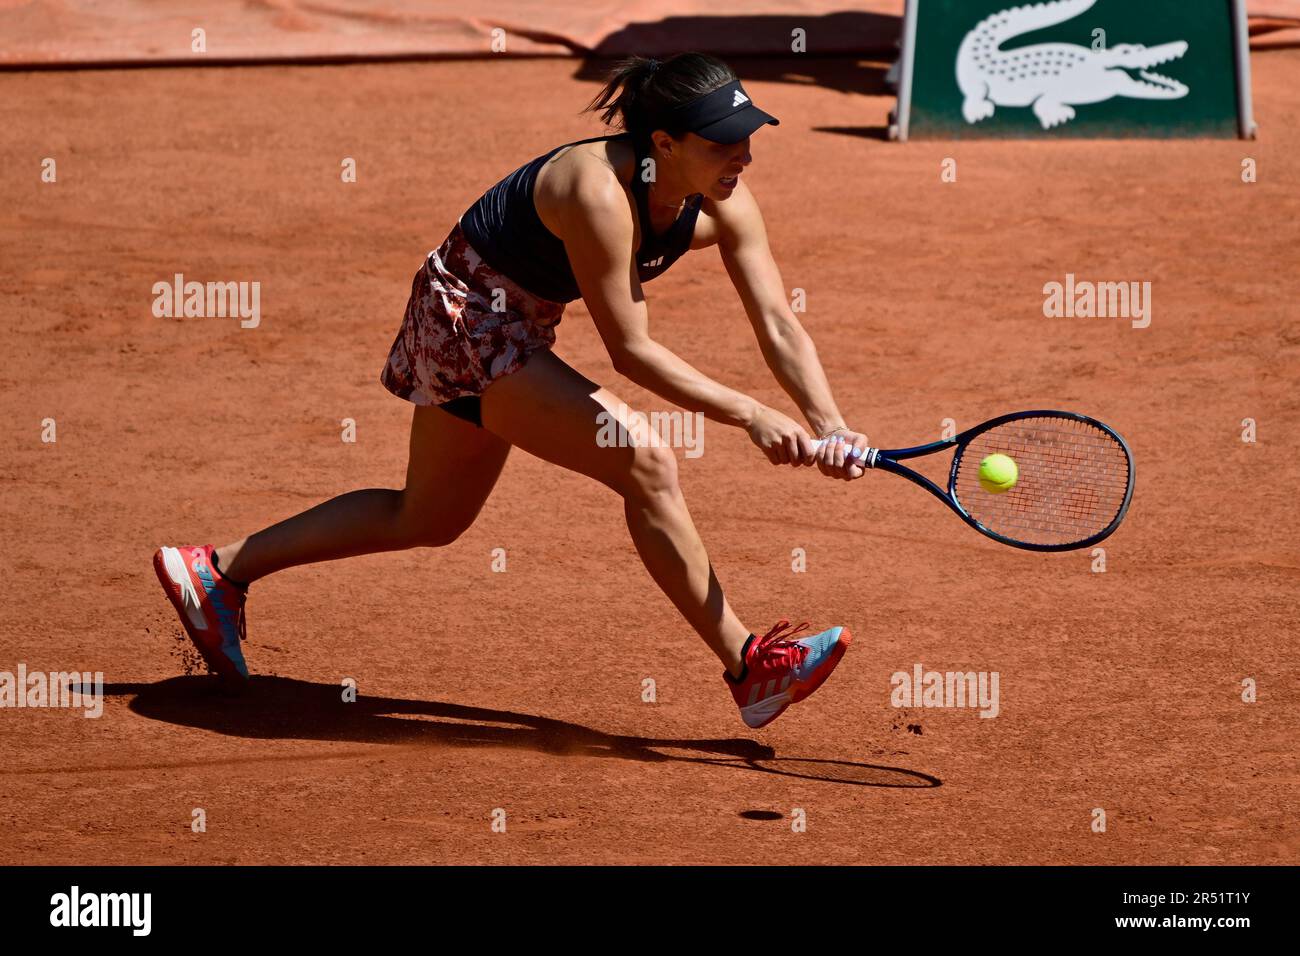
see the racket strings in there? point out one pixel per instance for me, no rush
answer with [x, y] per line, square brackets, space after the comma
[1073, 480]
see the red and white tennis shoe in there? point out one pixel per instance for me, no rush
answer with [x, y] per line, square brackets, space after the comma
[210, 606]
[780, 670]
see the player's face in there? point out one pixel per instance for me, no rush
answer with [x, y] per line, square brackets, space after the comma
[713, 168]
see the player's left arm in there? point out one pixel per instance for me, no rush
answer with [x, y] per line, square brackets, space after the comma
[787, 348]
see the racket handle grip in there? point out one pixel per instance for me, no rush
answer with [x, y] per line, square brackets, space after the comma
[868, 457]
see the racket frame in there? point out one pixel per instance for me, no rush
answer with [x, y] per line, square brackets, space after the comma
[888, 460]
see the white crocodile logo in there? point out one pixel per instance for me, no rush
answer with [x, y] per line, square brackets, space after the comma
[1051, 76]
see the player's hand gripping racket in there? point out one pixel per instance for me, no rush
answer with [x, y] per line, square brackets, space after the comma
[1073, 484]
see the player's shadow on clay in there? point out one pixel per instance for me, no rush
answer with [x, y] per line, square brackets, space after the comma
[280, 708]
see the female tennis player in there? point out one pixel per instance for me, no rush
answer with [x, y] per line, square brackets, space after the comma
[594, 219]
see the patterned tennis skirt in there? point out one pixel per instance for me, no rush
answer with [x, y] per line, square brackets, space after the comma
[466, 325]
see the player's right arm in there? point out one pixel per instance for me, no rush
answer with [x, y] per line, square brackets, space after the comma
[599, 233]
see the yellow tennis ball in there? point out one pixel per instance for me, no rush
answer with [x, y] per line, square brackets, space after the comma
[998, 473]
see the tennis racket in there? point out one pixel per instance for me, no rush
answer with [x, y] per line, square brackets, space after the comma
[1074, 486]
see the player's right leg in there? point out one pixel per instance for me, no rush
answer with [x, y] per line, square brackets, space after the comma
[551, 411]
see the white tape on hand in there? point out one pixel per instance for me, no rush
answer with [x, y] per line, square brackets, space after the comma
[818, 442]
[868, 456]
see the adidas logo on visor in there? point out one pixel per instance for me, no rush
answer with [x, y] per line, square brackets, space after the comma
[738, 98]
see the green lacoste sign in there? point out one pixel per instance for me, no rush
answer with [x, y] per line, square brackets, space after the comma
[1081, 68]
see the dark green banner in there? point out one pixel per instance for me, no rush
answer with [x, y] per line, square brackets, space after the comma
[1081, 68]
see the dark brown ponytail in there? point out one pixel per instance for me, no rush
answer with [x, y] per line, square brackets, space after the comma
[640, 92]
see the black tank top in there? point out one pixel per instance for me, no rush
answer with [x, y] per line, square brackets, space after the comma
[504, 228]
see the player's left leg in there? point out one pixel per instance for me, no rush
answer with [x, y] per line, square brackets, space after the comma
[453, 468]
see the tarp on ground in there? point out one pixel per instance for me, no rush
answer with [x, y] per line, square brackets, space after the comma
[94, 32]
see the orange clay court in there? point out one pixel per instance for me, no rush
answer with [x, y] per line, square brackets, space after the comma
[523, 690]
